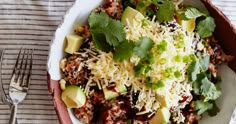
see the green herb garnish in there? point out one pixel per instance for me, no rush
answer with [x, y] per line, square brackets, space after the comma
[102, 29]
[206, 27]
[124, 50]
[143, 46]
[166, 11]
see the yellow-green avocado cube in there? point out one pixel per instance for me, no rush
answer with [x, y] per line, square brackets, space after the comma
[162, 116]
[73, 42]
[131, 15]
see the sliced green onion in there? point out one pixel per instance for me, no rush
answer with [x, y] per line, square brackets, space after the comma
[178, 58]
[186, 59]
[161, 47]
[181, 36]
[150, 59]
[162, 61]
[177, 74]
[180, 44]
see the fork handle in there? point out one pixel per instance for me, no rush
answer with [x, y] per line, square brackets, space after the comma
[13, 114]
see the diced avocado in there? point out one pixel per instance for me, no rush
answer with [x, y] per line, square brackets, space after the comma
[131, 15]
[73, 97]
[187, 25]
[163, 100]
[162, 116]
[73, 43]
[113, 93]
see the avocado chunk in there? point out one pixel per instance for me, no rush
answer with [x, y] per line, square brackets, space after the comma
[187, 25]
[163, 100]
[118, 90]
[162, 116]
[73, 97]
[132, 16]
[73, 42]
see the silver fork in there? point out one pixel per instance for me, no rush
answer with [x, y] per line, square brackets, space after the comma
[20, 81]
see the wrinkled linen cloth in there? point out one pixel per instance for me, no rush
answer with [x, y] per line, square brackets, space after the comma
[31, 24]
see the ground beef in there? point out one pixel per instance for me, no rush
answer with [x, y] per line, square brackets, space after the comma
[73, 70]
[113, 8]
[114, 112]
[85, 113]
[217, 55]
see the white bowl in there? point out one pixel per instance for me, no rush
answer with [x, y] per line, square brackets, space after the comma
[78, 14]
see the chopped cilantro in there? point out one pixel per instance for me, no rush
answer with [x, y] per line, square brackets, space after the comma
[95, 20]
[106, 32]
[204, 62]
[101, 44]
[214, 110]
[193, 70]
[124, 50]
[201, 106]
[191, 13]
[196, 87]
[143, 46]
[209, 90]
[166, 11]
[206, 27]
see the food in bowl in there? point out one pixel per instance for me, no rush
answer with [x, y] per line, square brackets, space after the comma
[142, 62]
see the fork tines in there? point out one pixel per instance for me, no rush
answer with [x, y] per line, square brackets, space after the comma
[20, 78]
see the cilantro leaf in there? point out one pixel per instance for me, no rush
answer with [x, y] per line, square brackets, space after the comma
[94, 17]
[193, 70]
[192, 12]
[143, 46]
[214, 110]
[114, 32]
[166, 11]
[204, 62]
[124, 50]
[201, 106]
[209, 90]
[102, 45]
[206, 27]
[106, 30]
[196, 87]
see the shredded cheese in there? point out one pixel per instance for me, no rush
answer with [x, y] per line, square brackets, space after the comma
[105, 70]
